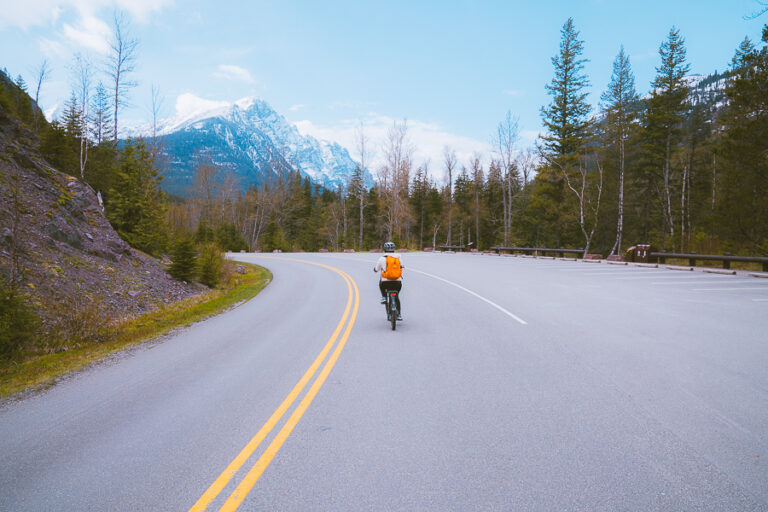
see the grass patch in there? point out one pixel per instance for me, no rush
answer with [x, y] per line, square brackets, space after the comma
[42, 370]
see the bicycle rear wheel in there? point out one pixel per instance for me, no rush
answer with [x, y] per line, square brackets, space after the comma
[394, 312]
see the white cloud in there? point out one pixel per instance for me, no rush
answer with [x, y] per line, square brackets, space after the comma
[51, 48]
[512, 92]
[428, 140]
[89, 32]
[231, 72]
[188, 105]
[139, 9]
[43, 12]
[528, 138]
[29, 14]
[295, 108]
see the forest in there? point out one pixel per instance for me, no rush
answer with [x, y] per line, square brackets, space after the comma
[683, 167]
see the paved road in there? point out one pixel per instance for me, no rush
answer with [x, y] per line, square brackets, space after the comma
[512, 384]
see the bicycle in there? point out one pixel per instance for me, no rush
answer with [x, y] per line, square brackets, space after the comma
[391, 307]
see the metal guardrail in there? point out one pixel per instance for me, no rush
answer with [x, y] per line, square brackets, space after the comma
[692, 257]
[452, 247]
[560, 251]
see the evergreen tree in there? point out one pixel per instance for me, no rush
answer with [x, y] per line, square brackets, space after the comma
[21, 84]
[357, 191]
[136, 206]
[72, 119]
[101, 108]
[209, 265]
[204, 233]
[462, 200]
[418, 200]
[435, 207]
[229, 239]
[59, 148]
[742, 200]
[18, 323]
[183, 259]
[620, 110]
[23, 102]
[566, 118]
[663, 117]
[568, 128]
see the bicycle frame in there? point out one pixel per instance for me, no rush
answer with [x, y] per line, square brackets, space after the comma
[391, 307]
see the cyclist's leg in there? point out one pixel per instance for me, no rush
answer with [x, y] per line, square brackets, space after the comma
[398, 285]
[382, 289]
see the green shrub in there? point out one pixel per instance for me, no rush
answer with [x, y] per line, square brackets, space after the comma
[184, 260]
[210, 264]
[204, 234]
[18, 323]
[83, 319]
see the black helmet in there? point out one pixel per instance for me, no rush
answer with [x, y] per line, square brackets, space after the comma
[389, 246]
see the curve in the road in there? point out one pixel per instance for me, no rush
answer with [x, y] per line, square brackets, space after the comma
[253, 475]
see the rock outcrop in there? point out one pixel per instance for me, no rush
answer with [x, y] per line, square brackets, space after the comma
[56, 241]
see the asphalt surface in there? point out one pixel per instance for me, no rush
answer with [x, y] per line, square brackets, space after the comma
[512, 384]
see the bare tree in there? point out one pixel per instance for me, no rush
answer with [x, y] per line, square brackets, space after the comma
[449, 160]
[121, 62]
[205, 189]
[507, 135]
[477, 186]
[526, 163]
[362, 150]
[620, 98]
[759, 11]
[259, 204]
[83, 77]
[585, 194]
[227, 196]
[395, 176]
[157, 105]
[714, 178]
[43, 74]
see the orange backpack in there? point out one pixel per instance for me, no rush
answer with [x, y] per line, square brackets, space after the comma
[393, 270]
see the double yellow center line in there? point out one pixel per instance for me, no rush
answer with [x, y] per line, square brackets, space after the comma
[253, 475]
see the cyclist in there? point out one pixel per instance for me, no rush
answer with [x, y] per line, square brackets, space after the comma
[386, 283]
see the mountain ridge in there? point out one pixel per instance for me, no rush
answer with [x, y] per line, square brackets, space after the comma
[248, 140]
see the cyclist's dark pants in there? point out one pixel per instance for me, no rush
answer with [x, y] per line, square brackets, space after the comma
[385, 285]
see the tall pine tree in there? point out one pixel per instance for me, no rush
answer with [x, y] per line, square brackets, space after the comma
[620, 110]
[567, 122]
[742, 201]
[664, 114]
[136, 206]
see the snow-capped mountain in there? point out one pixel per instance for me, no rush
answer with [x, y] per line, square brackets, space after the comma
[248, 140]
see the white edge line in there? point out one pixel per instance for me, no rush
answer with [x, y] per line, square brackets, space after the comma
[506, 312]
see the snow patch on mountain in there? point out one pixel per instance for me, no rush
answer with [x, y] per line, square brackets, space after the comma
[251, 139]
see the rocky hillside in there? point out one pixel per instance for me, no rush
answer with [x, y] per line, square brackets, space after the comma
[56, 242]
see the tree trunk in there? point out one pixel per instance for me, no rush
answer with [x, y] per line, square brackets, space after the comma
[682, 209]
[361, 221]
[667, 192]
[620, 226]
[714, 178]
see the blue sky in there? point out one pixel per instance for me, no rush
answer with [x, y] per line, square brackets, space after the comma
[453, 69]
